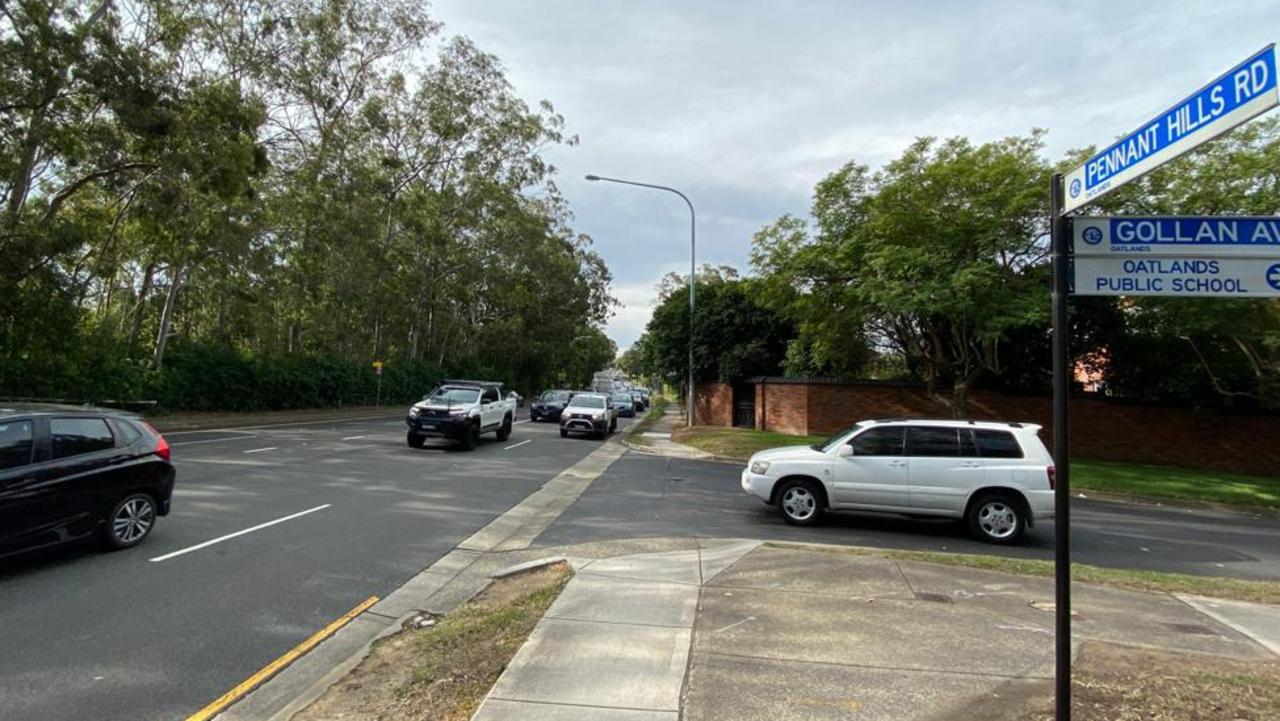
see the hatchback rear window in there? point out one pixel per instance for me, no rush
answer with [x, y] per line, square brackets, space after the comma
[15, 444]
[77, 436]
[997, 444]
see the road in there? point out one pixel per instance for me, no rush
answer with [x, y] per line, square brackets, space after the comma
[653, 496]
[159, 631]
[119, 636]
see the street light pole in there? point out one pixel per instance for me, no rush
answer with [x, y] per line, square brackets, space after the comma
[693, 251]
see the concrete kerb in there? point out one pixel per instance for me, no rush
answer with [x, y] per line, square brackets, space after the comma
[438, 589]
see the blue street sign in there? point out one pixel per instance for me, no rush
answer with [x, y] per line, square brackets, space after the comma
[1183, 236]
[1185, 277]
[1243, 92]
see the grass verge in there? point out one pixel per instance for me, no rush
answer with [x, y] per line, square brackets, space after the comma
[1116, 682]
[1176, 483]
[443, 672]
[654, 413]
[1137, 580]
[737, 443]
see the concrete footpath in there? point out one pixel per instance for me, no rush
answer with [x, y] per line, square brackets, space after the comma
[739, 630]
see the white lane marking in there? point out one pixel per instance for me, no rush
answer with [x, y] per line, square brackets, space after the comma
[244, 437]
[260, 450]
[353, 438]
[516, 423]
[517, 445]
[283, 425]
[229, 536]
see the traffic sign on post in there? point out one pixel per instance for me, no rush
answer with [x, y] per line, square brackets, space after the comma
[1186, 277]
[1243, 92]
[1183, 236]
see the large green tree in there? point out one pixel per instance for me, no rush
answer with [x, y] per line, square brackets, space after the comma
[926, 259]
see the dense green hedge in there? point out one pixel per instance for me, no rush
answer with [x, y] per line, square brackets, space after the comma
[210, 377]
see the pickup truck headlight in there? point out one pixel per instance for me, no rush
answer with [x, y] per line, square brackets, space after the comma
[759, 467]
[414, 412]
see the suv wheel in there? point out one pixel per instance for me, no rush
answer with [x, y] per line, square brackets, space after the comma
[505, 431]
[997, 518]
[415, 440]
[130, 521]
[801, 503]
[564, 433]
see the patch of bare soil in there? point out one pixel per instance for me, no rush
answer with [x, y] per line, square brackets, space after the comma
[1120, 683]
[442, 673]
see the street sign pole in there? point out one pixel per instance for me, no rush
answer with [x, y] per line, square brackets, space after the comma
[1060, 242]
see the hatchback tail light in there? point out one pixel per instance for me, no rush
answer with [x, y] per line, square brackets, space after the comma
[1052, 472]
[162, 446]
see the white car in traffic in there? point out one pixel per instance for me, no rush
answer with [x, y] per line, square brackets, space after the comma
[999, 477]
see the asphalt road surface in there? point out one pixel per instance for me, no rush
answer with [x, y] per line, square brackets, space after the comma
[339, 511]
[104, 636]
[642, 495]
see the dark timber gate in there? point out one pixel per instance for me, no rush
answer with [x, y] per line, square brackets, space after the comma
[744, 405]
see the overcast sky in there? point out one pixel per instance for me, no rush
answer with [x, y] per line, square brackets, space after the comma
[745, 105]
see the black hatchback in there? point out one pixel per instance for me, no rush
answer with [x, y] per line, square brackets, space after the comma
[69, 473]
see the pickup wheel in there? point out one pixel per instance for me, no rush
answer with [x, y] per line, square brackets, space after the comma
[505, 431]
[470, 437]
[415, 440]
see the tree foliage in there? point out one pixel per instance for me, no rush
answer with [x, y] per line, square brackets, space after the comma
[315, 178]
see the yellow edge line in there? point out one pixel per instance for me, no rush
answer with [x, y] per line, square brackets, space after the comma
[277, 665]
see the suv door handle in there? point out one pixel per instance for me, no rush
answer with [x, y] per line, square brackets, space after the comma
[971, 464]
[897, 464]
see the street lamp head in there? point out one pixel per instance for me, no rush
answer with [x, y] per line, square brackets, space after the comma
[593, 177]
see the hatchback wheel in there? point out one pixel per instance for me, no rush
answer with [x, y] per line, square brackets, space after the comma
[131, 520]
[997, 518]
[801, 503]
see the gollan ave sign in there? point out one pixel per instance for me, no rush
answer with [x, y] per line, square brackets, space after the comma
[1243, 92]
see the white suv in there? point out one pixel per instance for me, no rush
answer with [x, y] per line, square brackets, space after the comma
[997, 476]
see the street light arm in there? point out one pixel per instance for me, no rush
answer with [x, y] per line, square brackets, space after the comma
[683, 197]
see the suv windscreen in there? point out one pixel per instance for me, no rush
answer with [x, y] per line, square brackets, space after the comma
[879, 442]
[15, 444]
[997, 444]
[77, 436]
[932, 441]
[833, 440]
[587, 402]
[455, 395]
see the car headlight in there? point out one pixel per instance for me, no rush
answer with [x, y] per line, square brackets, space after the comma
[759, 467]
[457, 411]
[414, 412]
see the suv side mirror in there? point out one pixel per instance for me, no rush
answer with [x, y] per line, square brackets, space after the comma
[844, 451]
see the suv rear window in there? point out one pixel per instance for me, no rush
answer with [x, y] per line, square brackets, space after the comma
[15, 444]
[997, 444]
[77, 436]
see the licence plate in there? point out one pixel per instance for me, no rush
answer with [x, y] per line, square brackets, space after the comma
[428, 426]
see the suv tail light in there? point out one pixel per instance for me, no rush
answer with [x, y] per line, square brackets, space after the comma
[162, 446]
[1052, 472]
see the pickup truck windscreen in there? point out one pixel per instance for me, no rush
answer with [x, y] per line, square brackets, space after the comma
[462, 396]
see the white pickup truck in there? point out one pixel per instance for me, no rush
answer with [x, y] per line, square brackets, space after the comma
[461, 410]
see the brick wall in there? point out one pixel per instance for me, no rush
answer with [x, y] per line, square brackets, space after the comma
[713, 405]
[782, 408]
[1100, 429]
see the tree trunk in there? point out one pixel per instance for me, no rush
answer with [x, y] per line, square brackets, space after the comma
[166, 318]
[140, 310]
